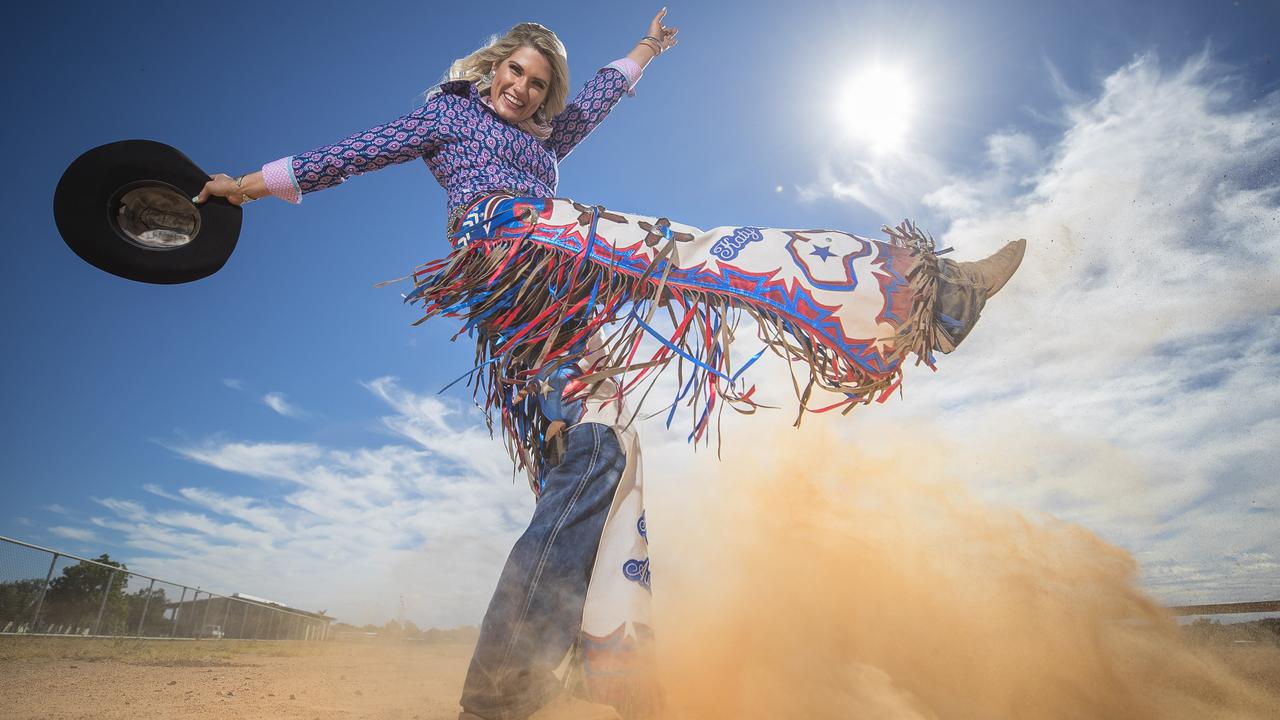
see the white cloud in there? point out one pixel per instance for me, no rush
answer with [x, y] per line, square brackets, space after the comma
[78, 534]
[124, 508]
[430, 517]
[254, 513]
[888, 183]
[276, 401]
[56, 508]
[233, 383]
[1125, 378]
[158, 491]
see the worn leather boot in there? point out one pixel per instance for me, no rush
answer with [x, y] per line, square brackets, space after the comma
[964, 287]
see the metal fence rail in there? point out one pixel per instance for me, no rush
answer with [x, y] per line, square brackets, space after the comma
[1258, 606]
[49, 592]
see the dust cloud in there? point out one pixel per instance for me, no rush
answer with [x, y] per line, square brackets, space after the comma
[806, 579]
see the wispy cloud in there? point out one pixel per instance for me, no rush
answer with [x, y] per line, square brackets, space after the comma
[429, 517]
[158, 491]
[276, 401]
[1125, 378]
[56, 508]
[124, 508]
[70, 533]
[233, 383]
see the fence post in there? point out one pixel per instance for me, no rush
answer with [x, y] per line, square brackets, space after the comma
[35, 619]
[226, 617]
[204, 620]
[194, 600]
[146, 606]
[177, 609]
[97, 625]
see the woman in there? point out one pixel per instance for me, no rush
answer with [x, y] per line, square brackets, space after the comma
[559, 297]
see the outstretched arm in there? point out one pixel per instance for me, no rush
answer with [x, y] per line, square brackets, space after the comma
[289, 178]
[605, 89]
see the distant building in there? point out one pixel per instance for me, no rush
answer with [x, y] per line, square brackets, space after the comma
[245, 617]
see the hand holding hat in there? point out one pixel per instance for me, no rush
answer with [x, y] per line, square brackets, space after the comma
[127, 208]
[237, 190]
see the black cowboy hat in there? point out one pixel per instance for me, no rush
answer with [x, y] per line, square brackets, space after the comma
[126, 208]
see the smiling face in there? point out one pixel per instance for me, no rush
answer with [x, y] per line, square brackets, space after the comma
[520, 84]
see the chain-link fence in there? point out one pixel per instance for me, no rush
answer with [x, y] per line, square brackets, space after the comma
[48, 592]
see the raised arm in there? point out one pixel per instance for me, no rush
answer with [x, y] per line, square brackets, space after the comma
[289, 178]
[592, 105]
[605, 89]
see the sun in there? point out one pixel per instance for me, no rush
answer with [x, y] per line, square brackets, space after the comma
[876, 107]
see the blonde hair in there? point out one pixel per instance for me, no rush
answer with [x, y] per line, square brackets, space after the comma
[478, 66]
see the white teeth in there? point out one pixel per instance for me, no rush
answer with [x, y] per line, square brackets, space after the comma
[512, 100]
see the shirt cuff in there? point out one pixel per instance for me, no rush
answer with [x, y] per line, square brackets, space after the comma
[280, 180]
[631, 69]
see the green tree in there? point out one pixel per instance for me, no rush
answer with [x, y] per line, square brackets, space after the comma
[156, 623]
[75, 597]
[18, 600]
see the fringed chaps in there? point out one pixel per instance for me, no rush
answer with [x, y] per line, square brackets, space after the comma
[532, 279]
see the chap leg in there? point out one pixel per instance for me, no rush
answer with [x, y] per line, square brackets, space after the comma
[536, 611]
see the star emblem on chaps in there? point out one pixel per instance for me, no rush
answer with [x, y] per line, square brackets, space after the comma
[822, 252]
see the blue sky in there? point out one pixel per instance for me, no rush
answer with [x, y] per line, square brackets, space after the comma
[283, 411]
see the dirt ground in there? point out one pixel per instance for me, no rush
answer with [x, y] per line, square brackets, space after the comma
[65, 679]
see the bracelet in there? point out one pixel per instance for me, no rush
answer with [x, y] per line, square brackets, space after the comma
[245, 195]
[656, 46]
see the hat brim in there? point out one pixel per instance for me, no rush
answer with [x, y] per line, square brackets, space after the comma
[84, 204]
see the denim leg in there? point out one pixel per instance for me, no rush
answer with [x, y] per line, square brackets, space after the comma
[536, 610]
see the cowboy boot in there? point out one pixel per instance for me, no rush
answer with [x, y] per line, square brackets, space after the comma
[964, 287]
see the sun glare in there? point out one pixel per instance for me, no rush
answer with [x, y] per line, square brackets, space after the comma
[876, 107]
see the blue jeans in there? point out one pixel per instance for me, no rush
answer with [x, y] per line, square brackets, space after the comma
[536, 611]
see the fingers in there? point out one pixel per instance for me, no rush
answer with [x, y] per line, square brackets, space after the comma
[666, 36]
[219, 185]
[655, 27]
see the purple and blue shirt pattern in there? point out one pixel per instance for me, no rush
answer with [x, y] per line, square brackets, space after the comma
[468, 147]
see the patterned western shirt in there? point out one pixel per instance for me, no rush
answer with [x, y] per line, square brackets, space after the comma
[467, 146]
